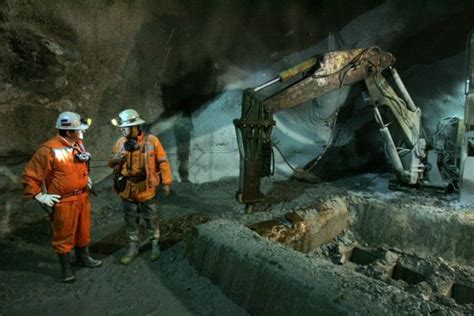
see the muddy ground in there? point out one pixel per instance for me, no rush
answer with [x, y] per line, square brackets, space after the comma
[30, 276]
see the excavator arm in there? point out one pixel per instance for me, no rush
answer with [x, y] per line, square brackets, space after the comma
[314, 78]
[329, 72]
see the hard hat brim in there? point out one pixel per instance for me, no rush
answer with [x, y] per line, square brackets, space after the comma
[138, 121]
[73, 128]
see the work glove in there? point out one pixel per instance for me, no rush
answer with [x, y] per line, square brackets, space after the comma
[166, 190]
[118, 158]
[84, 156]
[47, 199]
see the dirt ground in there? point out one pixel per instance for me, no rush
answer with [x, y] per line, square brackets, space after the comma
[31, 277]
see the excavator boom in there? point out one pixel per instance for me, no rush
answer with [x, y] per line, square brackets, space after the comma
[334, 70]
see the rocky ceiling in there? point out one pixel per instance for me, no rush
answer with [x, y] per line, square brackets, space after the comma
[183, 64]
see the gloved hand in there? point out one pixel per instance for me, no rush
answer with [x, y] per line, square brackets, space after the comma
[118, 158]
[84, 156]
[166, 190]
[47, 199]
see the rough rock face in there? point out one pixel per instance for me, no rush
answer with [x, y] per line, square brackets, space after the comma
[183, 65]
[59, 57]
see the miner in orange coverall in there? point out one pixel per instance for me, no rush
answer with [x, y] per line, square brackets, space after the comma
[140, 166]
[58, 178]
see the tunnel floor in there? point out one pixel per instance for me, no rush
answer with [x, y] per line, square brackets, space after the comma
[330, 231]
[173, 285]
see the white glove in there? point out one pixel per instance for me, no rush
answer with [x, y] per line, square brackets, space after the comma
[89, 183]
[47, 199]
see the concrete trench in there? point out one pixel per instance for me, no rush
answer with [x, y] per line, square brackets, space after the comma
[342, 256]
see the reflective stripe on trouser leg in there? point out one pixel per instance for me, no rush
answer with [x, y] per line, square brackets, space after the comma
[150, 217]
[131, 217]
[70, 224]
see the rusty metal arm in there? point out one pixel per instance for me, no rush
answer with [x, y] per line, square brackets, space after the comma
[320, 75]
[334, 70]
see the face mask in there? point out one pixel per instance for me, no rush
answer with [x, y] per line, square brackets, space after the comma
[80, 135]
[130, 145]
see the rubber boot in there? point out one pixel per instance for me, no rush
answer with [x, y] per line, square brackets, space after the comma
[66, 270]
[132, 253]
[155, 250]
[84, 259]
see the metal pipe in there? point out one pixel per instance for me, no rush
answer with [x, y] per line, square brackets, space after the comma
[290, 73]
[388, 142]
[411, 105]
[391, 150]
[266, 84]
[378, 117]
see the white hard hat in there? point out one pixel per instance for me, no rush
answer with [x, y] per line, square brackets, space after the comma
[71, 121]
[129, 117]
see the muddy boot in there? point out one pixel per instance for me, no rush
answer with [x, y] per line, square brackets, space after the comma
[132, 253]
[66, 270]
[84, 259]
[155, 250]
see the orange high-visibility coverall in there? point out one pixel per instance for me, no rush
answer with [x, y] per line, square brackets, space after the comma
[55, 165]
[148, 160]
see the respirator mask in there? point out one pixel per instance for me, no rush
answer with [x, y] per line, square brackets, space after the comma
[83, 156]
[130, 145]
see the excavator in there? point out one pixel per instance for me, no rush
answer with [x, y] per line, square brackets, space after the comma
[441, 163]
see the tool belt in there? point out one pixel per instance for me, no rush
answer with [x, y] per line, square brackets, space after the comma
[136, 179]
[75, 192]
[120, 182]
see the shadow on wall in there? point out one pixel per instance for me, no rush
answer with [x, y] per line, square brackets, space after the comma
[363, 153]
[191, 90]
[441, 40]
[183, 98]
[183, 130]
[161, 84]
[172, 71]
[172, 101]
